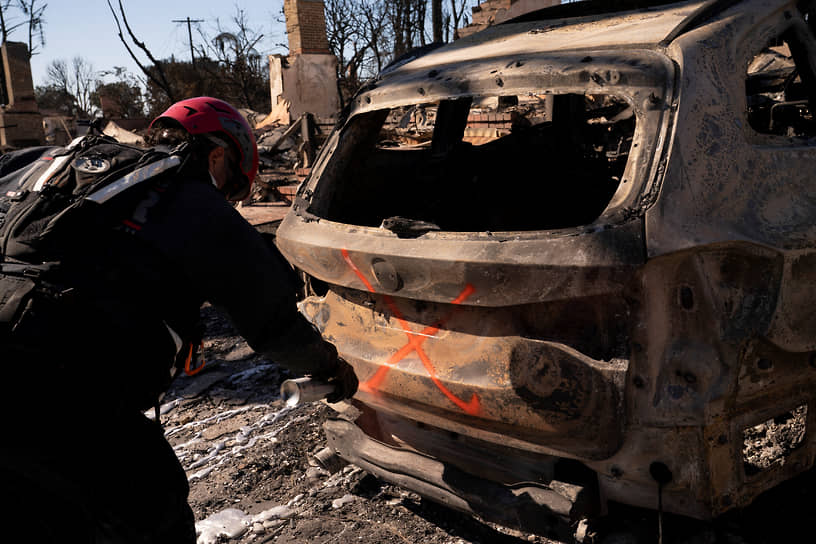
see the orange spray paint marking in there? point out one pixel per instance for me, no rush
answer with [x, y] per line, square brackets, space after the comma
[356, 270]
[415, 341]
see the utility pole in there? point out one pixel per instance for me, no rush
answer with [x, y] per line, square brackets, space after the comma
[190, 33]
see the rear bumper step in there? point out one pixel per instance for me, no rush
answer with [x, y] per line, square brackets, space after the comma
[529, 506]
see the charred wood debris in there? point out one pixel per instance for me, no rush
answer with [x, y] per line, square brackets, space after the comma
[286, 153]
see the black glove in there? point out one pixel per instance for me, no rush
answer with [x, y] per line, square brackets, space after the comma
[302, 349]
[343, 378]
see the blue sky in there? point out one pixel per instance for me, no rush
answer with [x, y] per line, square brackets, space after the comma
[86, 28]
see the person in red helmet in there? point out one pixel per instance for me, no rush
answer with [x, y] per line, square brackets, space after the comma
[226, 130]
[122, 309]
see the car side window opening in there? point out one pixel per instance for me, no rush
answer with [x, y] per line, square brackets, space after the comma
[501, 163]
[780, 84]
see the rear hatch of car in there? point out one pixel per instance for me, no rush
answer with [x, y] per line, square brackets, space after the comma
[471, 228]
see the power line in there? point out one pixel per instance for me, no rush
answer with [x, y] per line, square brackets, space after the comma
[190, 33]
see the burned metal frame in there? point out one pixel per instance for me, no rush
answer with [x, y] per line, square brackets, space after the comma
[641, 345]
[642, 78]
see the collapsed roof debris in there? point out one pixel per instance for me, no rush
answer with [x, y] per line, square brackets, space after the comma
[286, 152]
[121, 135]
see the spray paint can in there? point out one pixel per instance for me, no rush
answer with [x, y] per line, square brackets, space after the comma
[300, 390]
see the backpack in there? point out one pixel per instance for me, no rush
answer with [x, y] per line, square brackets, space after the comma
[49, 190]
[65, 183]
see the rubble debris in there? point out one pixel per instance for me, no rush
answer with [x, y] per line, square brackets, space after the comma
[771, 442]
[121, 135]
[252, 117]
[342, 501]
[286, 152]
[277, 139]
[278, 116]
[57, 131]
[232, 523]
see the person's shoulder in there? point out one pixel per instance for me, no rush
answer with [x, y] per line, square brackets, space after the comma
[199, 198]
[196, 189]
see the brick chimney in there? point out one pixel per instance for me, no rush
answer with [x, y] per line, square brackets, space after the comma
[306, 79]
[306, 26]
[20, 120]
[17, 77]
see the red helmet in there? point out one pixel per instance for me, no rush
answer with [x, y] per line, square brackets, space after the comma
[206, 115]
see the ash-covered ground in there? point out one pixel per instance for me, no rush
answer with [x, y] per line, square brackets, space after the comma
[253, 478]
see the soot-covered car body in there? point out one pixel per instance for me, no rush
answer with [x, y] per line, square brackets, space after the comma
[571, 259]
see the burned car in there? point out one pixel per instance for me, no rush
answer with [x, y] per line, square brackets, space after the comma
[571, 259]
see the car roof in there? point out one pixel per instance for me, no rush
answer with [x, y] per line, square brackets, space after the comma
[552, 41]
[592, 24]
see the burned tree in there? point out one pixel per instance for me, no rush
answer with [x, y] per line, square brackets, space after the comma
[365, 35]
[124, 95]
[454, 18]
[407, 19]
[156, 75]
[237, 62]
[34, 22]
[75, 81]
[357, 34]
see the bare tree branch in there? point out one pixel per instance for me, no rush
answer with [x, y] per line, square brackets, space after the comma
[6, 28]
[77, 81]
[160, 80]
[238, 63]
[57, 74]
[457, 16]
[84, 83]
[36, 32]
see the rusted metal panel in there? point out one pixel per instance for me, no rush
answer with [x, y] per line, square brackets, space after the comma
[473, 366]
[725, 181]
[502, 269]
[689, 396]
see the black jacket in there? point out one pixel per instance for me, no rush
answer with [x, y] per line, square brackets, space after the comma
[161, 251]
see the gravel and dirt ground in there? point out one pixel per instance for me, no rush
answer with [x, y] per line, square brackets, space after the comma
[253, 478]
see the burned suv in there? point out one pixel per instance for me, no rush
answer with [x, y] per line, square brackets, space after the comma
[571, 259]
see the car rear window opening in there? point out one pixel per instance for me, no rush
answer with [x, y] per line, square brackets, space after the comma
[503, 163]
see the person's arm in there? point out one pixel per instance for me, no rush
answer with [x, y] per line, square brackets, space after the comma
[234, 268]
